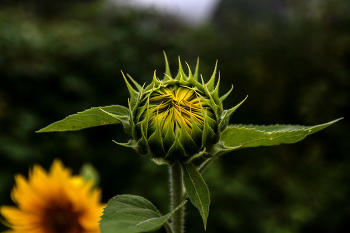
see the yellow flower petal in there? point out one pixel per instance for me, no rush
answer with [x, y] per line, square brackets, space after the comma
[176, 107]
[53, 202]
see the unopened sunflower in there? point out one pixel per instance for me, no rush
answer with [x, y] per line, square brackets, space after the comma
[176, 118]
[53, 202]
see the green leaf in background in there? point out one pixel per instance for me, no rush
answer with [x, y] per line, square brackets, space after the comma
[89, 173]
[131, 214]
[197, 190]
[243, 136]
[89, 118]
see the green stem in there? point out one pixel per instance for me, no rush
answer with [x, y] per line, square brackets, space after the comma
[176, 197]
[205, 164]
[168, 228]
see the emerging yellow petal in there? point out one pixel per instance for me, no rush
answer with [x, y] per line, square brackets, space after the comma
[176, 106]
[53, 202]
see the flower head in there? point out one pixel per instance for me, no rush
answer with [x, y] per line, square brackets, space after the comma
[174, 107]
[177, 118]
[53, 202]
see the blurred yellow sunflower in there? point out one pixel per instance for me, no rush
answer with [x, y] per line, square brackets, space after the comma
[53, 202]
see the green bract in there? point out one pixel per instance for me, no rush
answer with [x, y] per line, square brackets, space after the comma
[177, 118]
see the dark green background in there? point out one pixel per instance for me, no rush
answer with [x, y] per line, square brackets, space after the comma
[291, 57]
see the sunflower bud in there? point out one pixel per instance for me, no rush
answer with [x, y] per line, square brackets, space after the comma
[176, 118]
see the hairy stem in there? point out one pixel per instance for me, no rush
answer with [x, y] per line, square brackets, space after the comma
[177, 197]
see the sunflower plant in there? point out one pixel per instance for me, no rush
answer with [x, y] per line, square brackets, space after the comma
[176, 120]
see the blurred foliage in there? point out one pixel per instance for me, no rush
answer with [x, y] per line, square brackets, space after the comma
[292, 59]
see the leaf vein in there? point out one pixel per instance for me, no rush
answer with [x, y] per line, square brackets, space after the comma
[146, 221]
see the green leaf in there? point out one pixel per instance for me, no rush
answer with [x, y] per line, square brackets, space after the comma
[197, 190]
[209, 135]
[253, 135]
[196, 133]
[176, 150]
[126, 121]
[133, 94]
[156, 143]
[133, 145]
[186, 141]
[132, 214]
[167, 75]
[137, 85]
[89, 173]
[210, 83]
[222, 98]
[195, 76]
[169, 137]
[89, 118]
[181, 72]
[215, 95]
[225, 118]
